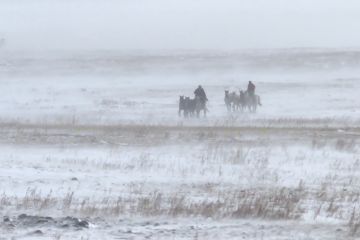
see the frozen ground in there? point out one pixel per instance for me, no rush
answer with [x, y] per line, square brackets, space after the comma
[96, 136]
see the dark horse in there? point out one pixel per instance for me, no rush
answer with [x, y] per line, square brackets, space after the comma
[200, 105]
[227, 100]
[233, 101]
[190, 107]
[252, 101]
[182, 106]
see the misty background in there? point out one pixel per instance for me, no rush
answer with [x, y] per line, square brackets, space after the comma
[171, 24]
[128, 61]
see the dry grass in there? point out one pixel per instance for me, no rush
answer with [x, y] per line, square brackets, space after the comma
[280, 204]
[285, 127]
[245, 178]
[283, 203]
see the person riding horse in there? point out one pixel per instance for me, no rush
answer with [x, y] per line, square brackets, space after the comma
[251, 89]
[199, 92]
[253, 98]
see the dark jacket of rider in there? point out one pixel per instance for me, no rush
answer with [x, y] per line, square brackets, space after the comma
[201, 93]
[251, 88]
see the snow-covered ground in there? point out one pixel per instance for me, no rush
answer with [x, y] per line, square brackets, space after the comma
[96, 136]
[104, 87]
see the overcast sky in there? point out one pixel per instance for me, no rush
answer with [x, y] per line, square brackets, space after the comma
[179, 24]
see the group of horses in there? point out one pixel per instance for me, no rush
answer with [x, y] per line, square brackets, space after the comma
[234, 102]
[242, 101]
[192, 107]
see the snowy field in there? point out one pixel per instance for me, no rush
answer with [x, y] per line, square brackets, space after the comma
[92, 146]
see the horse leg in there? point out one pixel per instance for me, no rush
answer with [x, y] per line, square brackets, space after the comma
[227, 104]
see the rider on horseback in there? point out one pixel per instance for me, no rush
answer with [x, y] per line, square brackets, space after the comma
[251, 93]
[251, 89]
[199, 92]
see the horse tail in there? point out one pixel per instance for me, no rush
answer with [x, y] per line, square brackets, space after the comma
[259, 101]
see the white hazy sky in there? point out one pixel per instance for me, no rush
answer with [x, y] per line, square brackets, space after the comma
[178, 24]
